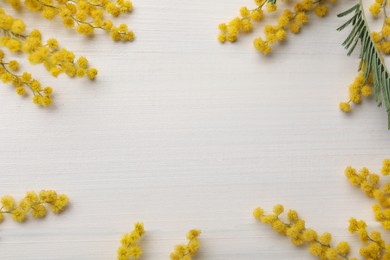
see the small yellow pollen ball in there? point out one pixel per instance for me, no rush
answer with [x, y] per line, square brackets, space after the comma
[345, 107]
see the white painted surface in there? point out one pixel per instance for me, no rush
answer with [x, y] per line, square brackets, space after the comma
[180, 132]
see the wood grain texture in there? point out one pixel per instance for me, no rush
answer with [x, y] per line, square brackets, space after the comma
[180, 132]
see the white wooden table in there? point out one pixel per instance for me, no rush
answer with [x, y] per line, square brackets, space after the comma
[180, 132]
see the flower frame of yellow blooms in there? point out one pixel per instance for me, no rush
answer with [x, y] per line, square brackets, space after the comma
[87, 16]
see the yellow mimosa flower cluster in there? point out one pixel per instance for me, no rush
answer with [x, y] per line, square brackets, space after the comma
[83, 15]
[129, 248]
[55, 59]
[370, 184]
[289, 20]
[381, 38]
[294, 228]
[375, 248]
[377, 7]
[41, 96]
[33, 203]
[360, 87]
[231, 30]
[187, 251]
